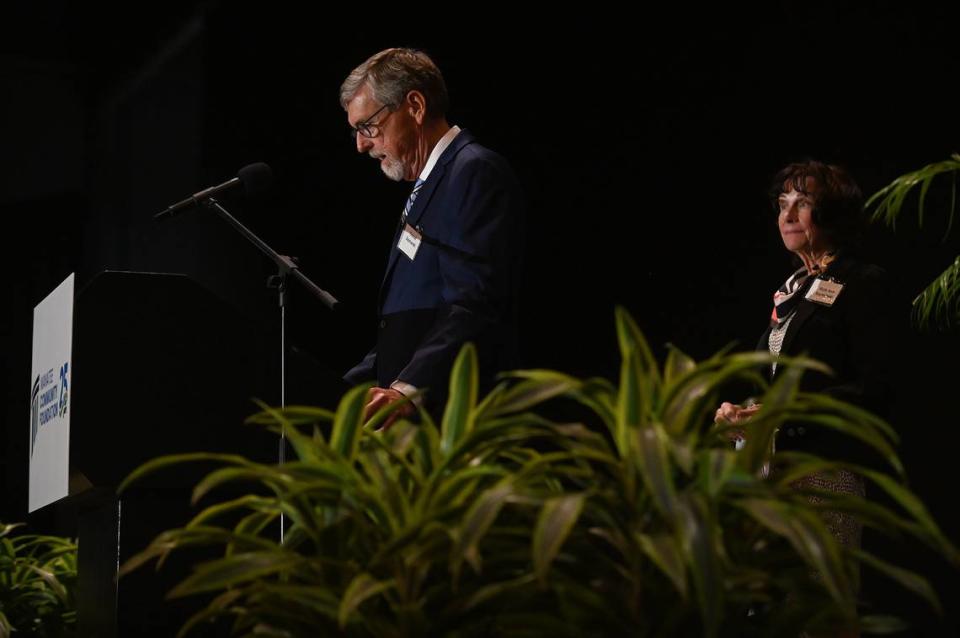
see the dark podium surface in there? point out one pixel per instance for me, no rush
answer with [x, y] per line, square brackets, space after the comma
[160, 366]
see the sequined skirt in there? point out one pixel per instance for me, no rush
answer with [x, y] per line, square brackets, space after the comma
[845, 527]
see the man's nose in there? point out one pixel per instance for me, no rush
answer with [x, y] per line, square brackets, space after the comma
[364, 144]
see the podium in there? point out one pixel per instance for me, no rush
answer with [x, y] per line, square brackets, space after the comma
[160, 366]
[163, 366]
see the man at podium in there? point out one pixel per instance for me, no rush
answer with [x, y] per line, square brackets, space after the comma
[453, 269]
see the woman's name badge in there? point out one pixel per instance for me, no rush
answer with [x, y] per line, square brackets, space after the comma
[409, 242]
[823, 291]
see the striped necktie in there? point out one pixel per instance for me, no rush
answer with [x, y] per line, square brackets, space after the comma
[411, 199]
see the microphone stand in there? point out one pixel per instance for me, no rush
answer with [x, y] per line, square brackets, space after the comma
[285, 267]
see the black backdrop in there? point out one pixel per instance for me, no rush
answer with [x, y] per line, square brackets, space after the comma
[644, 138]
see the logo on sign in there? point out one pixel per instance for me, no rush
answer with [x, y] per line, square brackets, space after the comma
[64, 393]
[34, 413]
[50, 399]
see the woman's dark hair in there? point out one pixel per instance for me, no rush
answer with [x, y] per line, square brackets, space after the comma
[837, 200]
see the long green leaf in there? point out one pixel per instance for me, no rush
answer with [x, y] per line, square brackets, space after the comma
[889, 200]
[684, 400]
[176, 459]
[321, 600]
[51, 581]
[939, 302]
[476, 522]
[398, 440]
[556, 520]
[306, 448]
[698, 533]
[716, 467]
[631, 404]
[198, 536]
[212, 611]
[663, 551]
[272, 476]
[362, 587]
[779, 397]
[630, 338]
[810, 538]
[248, 501]
[909, 580]
[295, 415]
[385, 486]
[639, 380]
[874, 625]
[459, 485]
[427, 453]
[909, 501]
[538, 387]
[347, 423]
[458, 417]
[234, 570]
[496, 590]
[492, 399]
[600, 396]
[651, 459]
[677, 365]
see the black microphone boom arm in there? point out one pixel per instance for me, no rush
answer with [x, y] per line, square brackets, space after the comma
[253, 177]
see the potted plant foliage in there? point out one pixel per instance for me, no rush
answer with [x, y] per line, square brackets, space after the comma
[38, 576]
[636, 518]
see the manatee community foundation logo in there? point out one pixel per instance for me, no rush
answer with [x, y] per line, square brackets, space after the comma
[49, 399]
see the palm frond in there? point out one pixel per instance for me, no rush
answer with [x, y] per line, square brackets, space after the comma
[939, 303]
[888, 202]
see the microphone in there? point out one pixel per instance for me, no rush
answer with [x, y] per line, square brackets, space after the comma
[254, 178]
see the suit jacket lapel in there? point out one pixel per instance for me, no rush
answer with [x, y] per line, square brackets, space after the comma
[422, 202]
[805, 310]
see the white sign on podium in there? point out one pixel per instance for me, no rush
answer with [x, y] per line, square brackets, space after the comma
[50, 397]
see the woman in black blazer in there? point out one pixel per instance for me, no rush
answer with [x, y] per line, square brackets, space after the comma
[832, 308]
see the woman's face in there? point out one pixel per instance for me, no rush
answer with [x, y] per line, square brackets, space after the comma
[799, 233]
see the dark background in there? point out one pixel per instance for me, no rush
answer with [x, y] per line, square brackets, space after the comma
[644, 138]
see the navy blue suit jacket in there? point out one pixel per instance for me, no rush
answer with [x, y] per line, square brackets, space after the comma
[462, 285]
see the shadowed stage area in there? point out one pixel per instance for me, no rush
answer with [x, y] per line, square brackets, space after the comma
[644, 147]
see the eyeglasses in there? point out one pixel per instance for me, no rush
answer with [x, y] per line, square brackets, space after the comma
[366, 129]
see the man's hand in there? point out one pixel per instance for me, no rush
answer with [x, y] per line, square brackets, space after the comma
[378, 398]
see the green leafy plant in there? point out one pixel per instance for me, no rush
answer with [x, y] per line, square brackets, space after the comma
[638, 519]
[709, 543]
[940, 300]
[38, 576]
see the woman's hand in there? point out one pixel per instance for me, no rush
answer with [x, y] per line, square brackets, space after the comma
[734, 414]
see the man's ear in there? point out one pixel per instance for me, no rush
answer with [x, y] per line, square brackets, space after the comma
[417, 106]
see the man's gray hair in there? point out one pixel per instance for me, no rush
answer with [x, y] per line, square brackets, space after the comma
[393, 73]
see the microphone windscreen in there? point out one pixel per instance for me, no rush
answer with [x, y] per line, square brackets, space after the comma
[256, 178]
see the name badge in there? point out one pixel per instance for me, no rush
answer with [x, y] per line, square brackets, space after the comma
[409, 242]
[824, 292]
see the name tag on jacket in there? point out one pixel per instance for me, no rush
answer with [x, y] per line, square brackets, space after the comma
[824, 292]
[409, 242]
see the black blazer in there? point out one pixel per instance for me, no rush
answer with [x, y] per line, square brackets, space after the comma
[857, 337]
